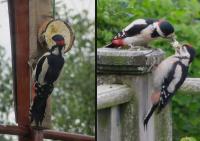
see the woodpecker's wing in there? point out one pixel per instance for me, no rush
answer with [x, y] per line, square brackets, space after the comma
[132, 29]
[172, 83]
[39, 66]
[135, 28]
[55, 65]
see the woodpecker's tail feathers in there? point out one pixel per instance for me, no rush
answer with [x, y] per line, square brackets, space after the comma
[148, 116]
[37, 111]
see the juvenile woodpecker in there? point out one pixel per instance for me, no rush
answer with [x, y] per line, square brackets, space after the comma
[168, 77]
[45, 74]
[141, 31]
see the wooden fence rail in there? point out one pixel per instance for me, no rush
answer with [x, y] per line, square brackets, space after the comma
[124, 82]
[191, 85]
[109, 95]
[47, 134]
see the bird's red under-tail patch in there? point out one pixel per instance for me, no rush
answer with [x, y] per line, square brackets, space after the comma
[155, 97]
[118, 42]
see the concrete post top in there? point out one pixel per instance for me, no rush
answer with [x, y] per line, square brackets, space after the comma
[127, 61]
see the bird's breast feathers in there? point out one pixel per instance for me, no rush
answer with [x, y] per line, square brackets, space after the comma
[162, 70]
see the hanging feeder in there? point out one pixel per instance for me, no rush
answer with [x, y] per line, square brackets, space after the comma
[53, 27]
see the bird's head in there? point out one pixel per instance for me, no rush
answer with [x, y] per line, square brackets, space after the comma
[188, 51]
[59, 40]
[165, 29]
[59, 46]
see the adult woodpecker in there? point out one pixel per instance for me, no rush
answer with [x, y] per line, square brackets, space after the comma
[141, 31]
[168, 77]
[45, 74]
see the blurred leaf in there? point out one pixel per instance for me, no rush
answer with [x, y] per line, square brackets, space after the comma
[188, 139]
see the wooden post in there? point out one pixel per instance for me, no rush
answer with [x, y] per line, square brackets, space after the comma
[19, 17]
[39, 12]
[22, 52]
[131, 70]
[37, 135]
[18, 12]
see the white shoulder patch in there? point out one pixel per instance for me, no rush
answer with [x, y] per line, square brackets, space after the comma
[138, 21]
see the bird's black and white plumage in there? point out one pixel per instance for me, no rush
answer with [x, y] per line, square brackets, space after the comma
[168, 77]
[45, 74]
[141, 31]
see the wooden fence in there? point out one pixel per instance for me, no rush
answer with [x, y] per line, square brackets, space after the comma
[124, 87]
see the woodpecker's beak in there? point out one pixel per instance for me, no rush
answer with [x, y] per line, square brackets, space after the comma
[171, 37]
[175, 44]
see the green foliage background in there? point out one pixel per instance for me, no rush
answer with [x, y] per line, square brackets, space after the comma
[114, 15]
[73, 99]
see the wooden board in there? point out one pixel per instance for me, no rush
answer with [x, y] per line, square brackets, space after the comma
[20, 56]
[39, 12]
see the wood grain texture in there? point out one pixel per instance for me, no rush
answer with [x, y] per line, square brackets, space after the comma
[13, 130]
[191, 85]
[49, 134]
[39, 12]
[38, 135]
[20, 52]
[19, 23]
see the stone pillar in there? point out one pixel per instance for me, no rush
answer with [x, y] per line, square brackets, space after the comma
[133, 69]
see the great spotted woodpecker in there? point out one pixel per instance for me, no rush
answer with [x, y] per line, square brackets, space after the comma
[45, 74]
[141, 31]
[168, 77]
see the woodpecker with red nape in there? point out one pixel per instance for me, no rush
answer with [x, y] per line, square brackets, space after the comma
[45, 74]
[168, 77]
[141, 31]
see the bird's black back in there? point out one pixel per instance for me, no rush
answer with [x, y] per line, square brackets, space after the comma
[150, 21]
[56, 63]
[136, 29]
